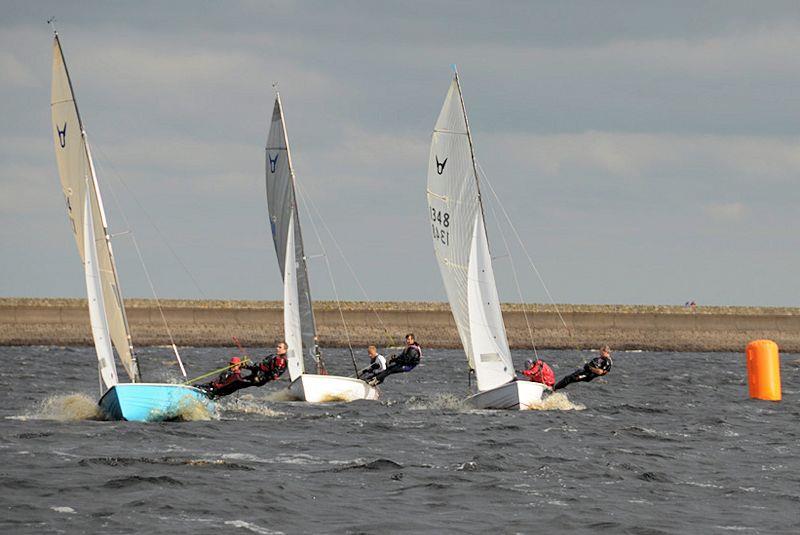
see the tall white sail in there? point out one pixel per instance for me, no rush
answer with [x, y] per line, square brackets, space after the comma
[461, 247]
[97, 312]
[291, 311]
[77, 174]
[282, 205]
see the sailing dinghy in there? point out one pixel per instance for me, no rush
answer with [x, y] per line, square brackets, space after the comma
[136, 400]
[462, 250]
[299, 327]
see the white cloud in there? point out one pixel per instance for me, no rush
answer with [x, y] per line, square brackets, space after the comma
[14, 72]
[363, 158]
[643, 155]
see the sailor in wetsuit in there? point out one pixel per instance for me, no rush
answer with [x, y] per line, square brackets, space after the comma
[271, 367]
[594, 368]
[404, 362]
[377, 364]
[228, 381]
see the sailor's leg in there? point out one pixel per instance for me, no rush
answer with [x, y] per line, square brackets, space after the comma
[393, 368]
[569, 379]
[366, 375]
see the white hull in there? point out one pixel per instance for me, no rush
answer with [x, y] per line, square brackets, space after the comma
[327, 388]
[516, 395]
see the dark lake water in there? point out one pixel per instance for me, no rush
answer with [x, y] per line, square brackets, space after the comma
[667, 443]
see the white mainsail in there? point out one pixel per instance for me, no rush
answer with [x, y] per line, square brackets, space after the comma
[285, 225]
[94, 293]
[291, 311]
[77, 174]
[461, 245]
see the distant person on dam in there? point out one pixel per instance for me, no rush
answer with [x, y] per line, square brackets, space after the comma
[377, 364]
[404, 362]
[539, 372]
[596, 367]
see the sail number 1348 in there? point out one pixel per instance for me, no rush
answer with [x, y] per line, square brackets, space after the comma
[441, 226]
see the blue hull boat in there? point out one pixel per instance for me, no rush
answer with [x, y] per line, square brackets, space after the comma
[155, 402]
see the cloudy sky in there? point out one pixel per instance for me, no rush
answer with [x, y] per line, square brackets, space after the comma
[646, 153]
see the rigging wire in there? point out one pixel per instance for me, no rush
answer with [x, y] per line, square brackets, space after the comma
[352, 272]
[150, 220]
[522, 245]
[330, 276]
[516, 280]
[146, 272]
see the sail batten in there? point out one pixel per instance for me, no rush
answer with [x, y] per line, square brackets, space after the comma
[461, 244]
[284, 219]
[79, 182]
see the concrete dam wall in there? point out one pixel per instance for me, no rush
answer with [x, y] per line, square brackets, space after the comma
[260, 323]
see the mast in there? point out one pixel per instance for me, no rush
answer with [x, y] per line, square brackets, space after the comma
[78, 176]
[284, 218]
[471, 145]
[461, 244]
[134, 362]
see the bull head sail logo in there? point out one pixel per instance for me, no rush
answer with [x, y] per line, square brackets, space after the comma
[273, 221]
[272, 163]
[62, 135]
[440, 165]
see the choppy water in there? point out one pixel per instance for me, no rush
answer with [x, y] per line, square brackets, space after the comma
[667, 443]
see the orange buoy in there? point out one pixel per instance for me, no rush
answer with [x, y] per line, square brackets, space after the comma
[764, 370]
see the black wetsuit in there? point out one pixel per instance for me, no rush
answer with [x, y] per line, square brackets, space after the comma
[404, 362]
[226, 384]
[267, 370]
[372, 370]
[586, 374]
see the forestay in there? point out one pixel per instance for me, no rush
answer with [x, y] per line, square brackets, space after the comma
[282, 205]
[461, 247]
[76, 170]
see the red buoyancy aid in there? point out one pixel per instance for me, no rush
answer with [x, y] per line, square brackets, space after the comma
[273, 367]
[540, 372]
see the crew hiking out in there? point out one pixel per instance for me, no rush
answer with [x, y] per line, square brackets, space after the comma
[594, 368]
[377, 364]
[229, 381]
[271, 367]
[404, 362]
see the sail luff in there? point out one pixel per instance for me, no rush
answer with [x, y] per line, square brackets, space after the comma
[282, 203]
[452, 200]
[76, 171]
[307, 319]
[471, 145]
[57, 45]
